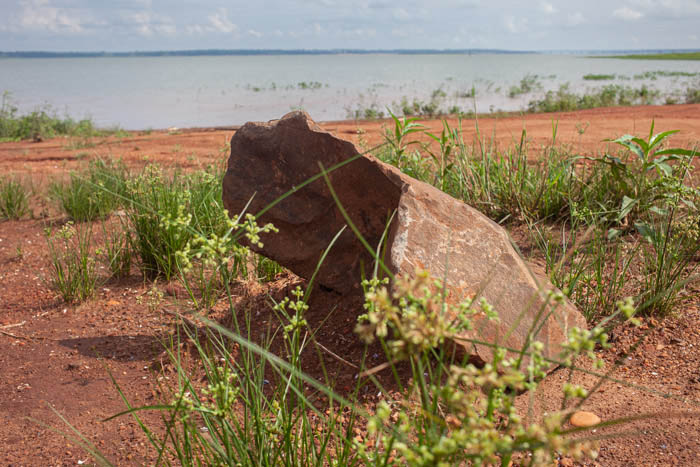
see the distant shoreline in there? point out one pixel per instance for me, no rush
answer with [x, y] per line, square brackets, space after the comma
[254, 52]
[657, 56]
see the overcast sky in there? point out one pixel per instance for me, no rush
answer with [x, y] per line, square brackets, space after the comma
[125, 25]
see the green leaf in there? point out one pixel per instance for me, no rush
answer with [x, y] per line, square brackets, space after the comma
[672, 157]
[677, 152]
[646, 231]
[658, 210]
[642, 145]
[663, 167]
[626, 141]
[436, 138]
[627, 205]
[613, 234]
[689, 203]
[613, 161]
[658, 138]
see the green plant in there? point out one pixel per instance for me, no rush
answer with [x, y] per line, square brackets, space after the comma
[84, 142]
[451, 413]
[208, 262]
[598, 77]
[259, 408]
[588, 267]
[205, 190]
[669, 260]
[19, 252]
[166, 213]
[692, 94]
[447, 140]
[372, 112]
[94, 192]
[313, 85]
[14, 200]
[418, 107]
[255, 405]
[73, 269]
[647, 178]
[39, 124]
[529, 83]
[157, 210]
[563, 99]
[673, 235]
[507, 186]
[117, 248]
[397, 141]
[266, 270]
[80, 200]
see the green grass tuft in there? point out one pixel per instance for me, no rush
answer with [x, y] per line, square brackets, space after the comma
[14, 199]
[601, 77]
[92, 193]
[73, 269]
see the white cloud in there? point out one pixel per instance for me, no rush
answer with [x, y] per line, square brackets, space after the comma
[255, 33]
[401, 14]
[148, 24]
[677, 5]
[515, 25]
[358, 32]
[219, 21]
[574, 19]
[402, 32]
[40, 14]
[194, 29]
[142, 21]
[627, 14]
[547, 7]
[166, 29]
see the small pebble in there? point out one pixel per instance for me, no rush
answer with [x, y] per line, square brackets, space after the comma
[584, 419]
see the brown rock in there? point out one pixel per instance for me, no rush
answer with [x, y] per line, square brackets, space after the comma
[584, 419]
[430, 230]
[269, 159]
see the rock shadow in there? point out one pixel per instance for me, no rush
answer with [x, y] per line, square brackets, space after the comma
[122, 348]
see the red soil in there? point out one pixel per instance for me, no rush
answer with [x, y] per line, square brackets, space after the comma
[57, 356]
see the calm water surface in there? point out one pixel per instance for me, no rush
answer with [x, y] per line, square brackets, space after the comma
[161, 92]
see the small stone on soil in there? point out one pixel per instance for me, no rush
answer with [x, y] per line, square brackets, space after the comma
[584, 419]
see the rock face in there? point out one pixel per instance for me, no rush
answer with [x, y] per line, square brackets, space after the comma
[429, 230]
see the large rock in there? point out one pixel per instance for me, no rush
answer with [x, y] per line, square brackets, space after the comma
[430, 229]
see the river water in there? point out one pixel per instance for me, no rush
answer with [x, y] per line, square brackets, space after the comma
[162, 92]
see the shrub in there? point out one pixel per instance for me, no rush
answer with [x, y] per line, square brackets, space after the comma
[39, 124]
[564, 99]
